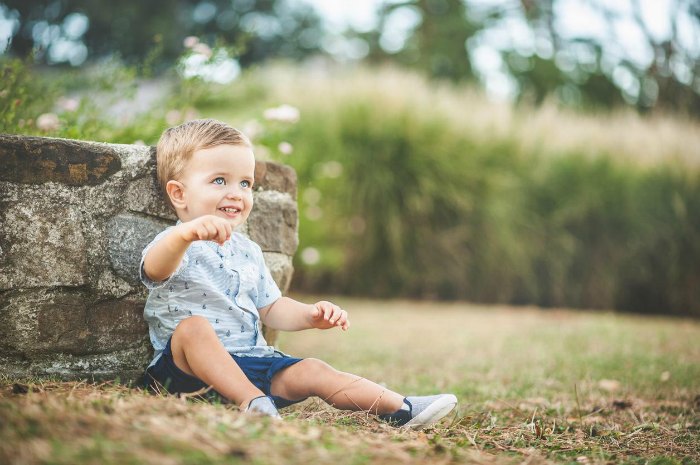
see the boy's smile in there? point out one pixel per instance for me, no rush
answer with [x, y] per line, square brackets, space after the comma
[218, 181]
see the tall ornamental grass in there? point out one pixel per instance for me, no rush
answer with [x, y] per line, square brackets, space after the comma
[411, 188]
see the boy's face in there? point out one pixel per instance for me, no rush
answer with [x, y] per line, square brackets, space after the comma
[218, 181]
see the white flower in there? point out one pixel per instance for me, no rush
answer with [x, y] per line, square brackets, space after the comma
[190, 41]
[285, 148]
[310, 256]
[331, 169]
[314, 212]
[173, 117]
[202, 49]
[48, 122]
[253, 129]
[283, 113]
[68, 104]
[312, 195]
[191, 114]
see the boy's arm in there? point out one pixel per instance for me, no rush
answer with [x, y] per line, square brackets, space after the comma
[163, 258]
[287, 314]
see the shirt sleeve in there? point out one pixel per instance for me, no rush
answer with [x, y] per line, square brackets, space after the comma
[268, 292]
[149, 283]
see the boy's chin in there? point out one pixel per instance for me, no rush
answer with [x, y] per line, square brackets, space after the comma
[236, 222]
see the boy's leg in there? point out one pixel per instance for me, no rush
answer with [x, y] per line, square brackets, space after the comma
[312, 377]
[198, 352]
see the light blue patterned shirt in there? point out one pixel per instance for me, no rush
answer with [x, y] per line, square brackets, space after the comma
[225, 284]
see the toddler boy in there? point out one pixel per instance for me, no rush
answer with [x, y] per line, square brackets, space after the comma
[210, 291]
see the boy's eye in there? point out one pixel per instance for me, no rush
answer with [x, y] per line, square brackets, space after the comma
[221, 181]
[245, 184]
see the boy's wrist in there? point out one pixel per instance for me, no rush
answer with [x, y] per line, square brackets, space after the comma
[312, 315]
[184, 232]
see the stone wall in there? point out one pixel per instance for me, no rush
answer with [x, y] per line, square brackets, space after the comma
[74, 217]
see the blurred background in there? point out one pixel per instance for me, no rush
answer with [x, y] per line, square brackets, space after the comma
[503, 151]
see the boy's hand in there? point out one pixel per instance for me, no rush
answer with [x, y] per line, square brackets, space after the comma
[326, 315]
[206, 228]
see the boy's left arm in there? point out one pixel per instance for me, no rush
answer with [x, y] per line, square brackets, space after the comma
[287, 314]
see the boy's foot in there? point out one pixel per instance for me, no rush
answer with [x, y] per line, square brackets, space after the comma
[263, 405]
[421, 411]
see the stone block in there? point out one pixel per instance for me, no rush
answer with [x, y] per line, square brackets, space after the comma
[143, 196]
[273, 222]
[128, 233]
[42, 244]
[43, 320]
[74, 218]
[281, 269]
[37, 160]
[275, 177]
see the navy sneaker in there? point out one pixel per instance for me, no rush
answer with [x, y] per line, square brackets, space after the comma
[421, 411]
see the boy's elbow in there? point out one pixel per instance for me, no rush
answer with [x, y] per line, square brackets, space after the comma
[154, 275]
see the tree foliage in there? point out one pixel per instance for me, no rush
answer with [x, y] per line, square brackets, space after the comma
[439, 37]
[581, 71]
[132, 28]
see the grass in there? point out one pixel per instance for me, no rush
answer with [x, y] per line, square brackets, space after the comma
[534, 386]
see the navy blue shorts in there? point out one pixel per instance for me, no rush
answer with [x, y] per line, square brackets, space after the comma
[259, 370]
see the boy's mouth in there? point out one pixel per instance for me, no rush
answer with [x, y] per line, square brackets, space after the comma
[230, 211]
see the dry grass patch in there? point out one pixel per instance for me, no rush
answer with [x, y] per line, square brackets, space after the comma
[70, 422]
[534, 387]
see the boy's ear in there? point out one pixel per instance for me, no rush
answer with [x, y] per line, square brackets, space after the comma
[176, 193]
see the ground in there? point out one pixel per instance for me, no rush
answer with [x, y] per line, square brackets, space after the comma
[535, 386]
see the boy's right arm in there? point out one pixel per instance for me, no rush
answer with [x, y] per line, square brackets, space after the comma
[163, 258]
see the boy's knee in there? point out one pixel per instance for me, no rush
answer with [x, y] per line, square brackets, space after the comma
[315, 366]
[192, 326]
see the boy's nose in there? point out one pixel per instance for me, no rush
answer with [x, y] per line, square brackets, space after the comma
[234, 193]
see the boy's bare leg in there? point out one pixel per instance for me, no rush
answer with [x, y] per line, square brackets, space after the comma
[198, 352]
[312, 377]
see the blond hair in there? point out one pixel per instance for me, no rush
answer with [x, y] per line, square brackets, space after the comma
[177, 145]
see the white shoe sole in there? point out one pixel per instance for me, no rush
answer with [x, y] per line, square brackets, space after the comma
[434, 412]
